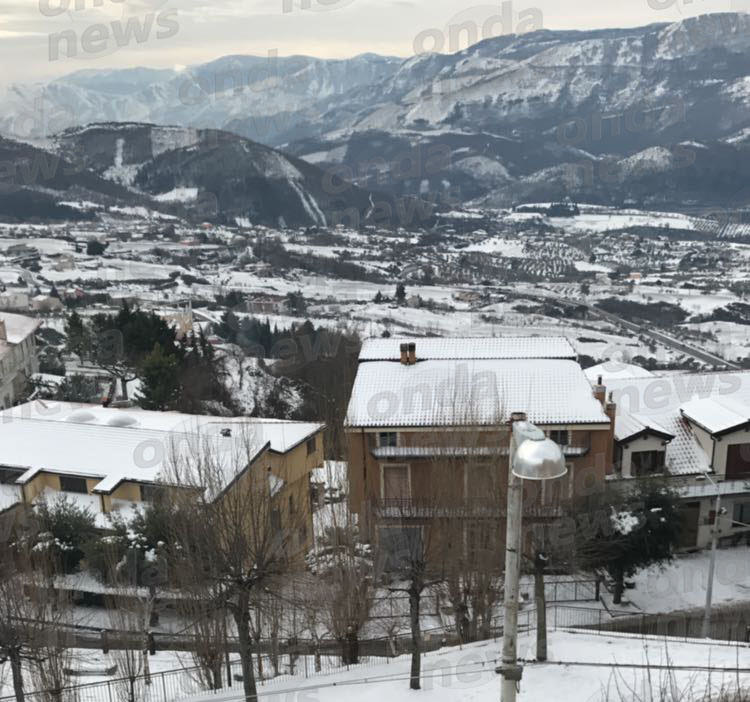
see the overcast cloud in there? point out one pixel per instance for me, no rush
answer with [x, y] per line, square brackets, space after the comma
[183, 32]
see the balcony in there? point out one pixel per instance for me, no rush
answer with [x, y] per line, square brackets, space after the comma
[469, 508]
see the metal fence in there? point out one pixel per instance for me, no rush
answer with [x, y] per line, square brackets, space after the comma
[301, 662]
[182, 683]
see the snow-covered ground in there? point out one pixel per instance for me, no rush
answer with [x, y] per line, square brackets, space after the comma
[682, 584]
[581, 668]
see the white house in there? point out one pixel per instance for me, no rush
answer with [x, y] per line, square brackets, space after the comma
[18, 357]
[694, 429]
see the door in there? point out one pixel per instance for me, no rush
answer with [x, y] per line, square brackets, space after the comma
[690, 512]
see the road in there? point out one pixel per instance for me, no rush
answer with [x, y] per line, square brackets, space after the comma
[655, 334]
[664, 339]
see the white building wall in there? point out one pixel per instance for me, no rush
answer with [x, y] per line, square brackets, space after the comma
[17, 362]
[645, 443]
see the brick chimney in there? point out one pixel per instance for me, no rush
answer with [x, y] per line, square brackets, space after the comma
[405, 354]
[412, 353]
[610, 409]
[600, 392]
[3, 331]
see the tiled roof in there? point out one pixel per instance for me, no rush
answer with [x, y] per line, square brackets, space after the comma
[716, 414]
[612, 370]
[502, 347]
[627, 425]
[476, 392]
[714, 398]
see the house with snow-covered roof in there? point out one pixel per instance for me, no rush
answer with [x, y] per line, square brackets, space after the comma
[694, 430]
[113, 460]
[18, 356]
[428, 424]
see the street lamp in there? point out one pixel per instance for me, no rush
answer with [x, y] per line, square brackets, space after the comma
[706, 626]
[532, 456]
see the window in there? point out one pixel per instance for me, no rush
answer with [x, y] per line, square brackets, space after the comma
[70, 484]
[275, 520]
[483, 481]
[396, 483]
[646, 462]
[741, 514]
[387, 438]
[400, 548]
[559, 436]
[8, 476]
[312, 445]
[738, 461]
[149, 492]
[482, 540]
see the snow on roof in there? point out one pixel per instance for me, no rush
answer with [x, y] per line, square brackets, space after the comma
[131, 444]
[716, 414]
[18, 326]
[475, 392]
[717, 399]
[628, 425]
[612, 370]
[659, 394]
[469, 348]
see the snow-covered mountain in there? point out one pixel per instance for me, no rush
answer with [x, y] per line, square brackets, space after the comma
[261, 98]
[212, 174]
[164, 172]
[594, 114]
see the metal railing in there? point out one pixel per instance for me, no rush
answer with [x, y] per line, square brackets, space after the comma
[310, 659]
[418, 508]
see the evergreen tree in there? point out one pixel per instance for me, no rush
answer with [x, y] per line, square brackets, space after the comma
[160, 381]
[79, 338]
[400, 293]
[78, 388]
[644, 529]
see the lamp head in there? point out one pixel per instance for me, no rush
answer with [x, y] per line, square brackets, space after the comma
[540, 459]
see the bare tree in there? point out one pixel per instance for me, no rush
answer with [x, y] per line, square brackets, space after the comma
[197, 604]
[345, 568]
[232, 526]
[33, 614]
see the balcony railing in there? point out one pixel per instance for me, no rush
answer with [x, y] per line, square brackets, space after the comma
[425, 508]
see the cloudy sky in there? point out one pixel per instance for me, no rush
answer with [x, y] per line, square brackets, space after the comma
[46, 38]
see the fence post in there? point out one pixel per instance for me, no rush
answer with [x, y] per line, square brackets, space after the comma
[599, 628]
[164, 686]
[109, 690]
[555, 616]
[597, 593]
[575, 591]
[305, 666]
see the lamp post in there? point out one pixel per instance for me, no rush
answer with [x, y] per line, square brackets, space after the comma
[532, 456]
[706, 626]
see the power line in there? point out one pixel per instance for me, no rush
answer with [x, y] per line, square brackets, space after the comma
[643, 666]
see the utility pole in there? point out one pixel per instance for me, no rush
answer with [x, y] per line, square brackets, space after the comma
[706, 628]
